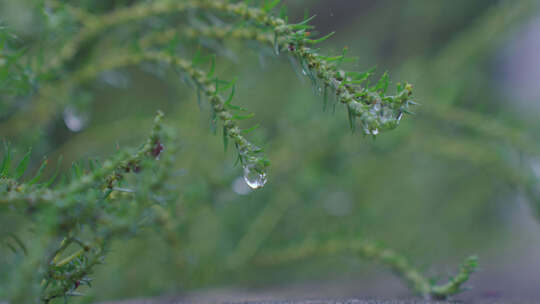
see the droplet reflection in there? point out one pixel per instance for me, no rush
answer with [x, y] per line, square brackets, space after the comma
[254, 178]
[75, 120]
[239, 186]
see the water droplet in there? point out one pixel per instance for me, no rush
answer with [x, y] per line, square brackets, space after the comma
[371, 132]
[304, 72]
[400, 116]
[254, 179]
[75, 120]
[387, 117]
[375, 109]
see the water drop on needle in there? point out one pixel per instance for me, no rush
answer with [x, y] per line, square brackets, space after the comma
[369, 131]
[254, 179]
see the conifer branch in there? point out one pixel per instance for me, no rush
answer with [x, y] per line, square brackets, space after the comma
[375, 110]
[83, 205]
[249, 154]
[368, 250]
[34, 195]
[80, 14]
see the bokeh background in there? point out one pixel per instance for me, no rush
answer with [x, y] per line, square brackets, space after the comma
[458, 178]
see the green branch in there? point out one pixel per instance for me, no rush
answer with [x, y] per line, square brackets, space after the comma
[80, 14]
[368, 250]
[250, 155]
[454, 285]
[35, 195]
[375, 110]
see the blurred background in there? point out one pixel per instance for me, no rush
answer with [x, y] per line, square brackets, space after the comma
[458, 178]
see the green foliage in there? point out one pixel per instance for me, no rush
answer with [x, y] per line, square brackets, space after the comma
[377, 253]
[15, 75]
[114, 198]
[74, 220]
[454, 286]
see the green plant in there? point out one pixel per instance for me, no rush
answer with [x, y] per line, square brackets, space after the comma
[74, 220]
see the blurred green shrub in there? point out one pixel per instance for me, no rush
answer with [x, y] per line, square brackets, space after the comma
[54, 76]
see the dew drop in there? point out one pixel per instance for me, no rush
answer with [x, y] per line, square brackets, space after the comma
[254, 179]
[371, 132]
[75, 120]
[375, 109]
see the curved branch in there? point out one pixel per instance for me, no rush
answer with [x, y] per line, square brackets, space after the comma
[365, 249]
[249, 154]
[34, 195]
[375, 110]
[231, 32]
[82, 15]
[368, 250]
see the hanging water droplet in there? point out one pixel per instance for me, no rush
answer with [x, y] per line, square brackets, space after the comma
[386, 117]
[304, 72]
[371, 132]
[375, 108]
[254, 178]
[75, 120]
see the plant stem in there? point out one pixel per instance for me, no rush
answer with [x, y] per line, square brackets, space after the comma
[368, 250]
